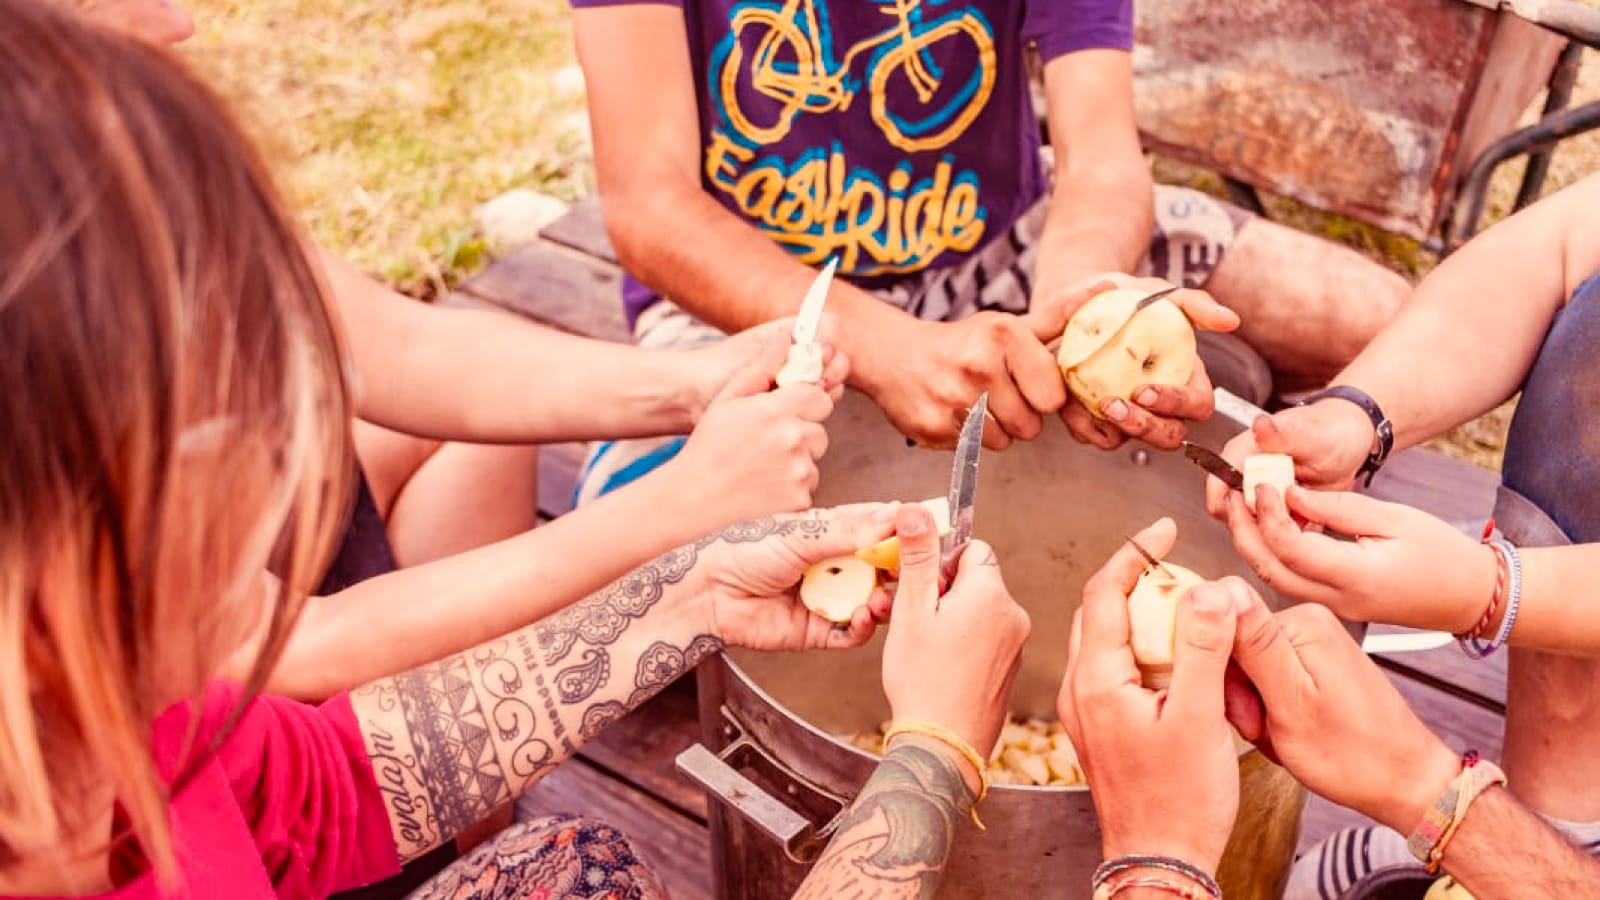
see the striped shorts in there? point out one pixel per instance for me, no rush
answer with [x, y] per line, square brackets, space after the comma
[1192, 232]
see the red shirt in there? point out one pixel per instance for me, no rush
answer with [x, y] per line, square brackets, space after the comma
[287, 807]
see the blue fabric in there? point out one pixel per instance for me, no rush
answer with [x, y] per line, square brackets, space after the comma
[609, 455]
[1553, 449]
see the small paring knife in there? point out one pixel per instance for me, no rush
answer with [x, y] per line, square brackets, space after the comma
[1146, 302]
[1213, 463]
[963, 495]
[804, 364]
[1406, 642]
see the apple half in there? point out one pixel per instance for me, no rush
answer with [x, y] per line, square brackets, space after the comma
[835, 587]
[1109, 351]
[1276, 469]
[1153, 619]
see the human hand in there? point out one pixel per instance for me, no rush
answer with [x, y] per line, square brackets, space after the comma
[1158, 412]
[1404, 567]
[950, 660]
[753, 573]
[1316, 705]
[1329, 441]
[1162, 766]
[709, 369]
[925, 376]
[755, 450]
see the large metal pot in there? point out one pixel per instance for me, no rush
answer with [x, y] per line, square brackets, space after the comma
[778, 773]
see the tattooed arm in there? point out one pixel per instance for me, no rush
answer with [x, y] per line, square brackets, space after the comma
[896, 835]
[452, 740]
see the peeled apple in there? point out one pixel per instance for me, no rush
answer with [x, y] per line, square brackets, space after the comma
[1447, 888]
[885, 554]
[1107, 351]
[1153, 619]
[835, 588]
[1276, 469]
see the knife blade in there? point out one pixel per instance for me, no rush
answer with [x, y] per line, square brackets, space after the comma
[1406, 642]
[810, 315]
[1213, 463]
[1145, 302]
[1149, 557]
[963, 493]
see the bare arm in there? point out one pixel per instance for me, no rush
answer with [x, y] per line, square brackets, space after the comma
[893, 841]
[481, 375]
[1101, 208]
[1467, 337]
[1503, 850]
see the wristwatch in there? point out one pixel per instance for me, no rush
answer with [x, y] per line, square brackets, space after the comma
[1383, 437]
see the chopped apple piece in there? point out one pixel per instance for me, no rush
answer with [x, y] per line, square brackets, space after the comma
[1153, 619]
[1276, 469]
[1109, 351]
[1029, 765]
[1447, 888]
[885, 554]
[835, 588]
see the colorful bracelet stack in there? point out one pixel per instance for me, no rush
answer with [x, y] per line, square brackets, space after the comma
[1198, 885]
[945, 736]
[1440, 823]
[1507, 585]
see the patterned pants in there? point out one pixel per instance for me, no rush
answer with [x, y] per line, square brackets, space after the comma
[1192, 232]
[551, 858]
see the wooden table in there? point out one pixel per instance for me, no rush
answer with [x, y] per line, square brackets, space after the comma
[569, 279]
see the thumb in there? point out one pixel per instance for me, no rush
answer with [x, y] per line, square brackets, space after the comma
[1343, 511]
[755, 377]
[919, 557]
[1270, 438]
[1207, 621]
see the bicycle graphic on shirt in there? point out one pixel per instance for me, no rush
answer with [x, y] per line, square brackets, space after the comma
[792, 63]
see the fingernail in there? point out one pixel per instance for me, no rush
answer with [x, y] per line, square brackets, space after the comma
[913, 527]
[1146, 397]
[1116, 410]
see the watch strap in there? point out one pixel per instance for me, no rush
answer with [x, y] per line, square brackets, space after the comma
[1383, 441]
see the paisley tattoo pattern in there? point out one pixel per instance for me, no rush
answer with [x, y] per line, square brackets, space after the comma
[599, 717]
[578, 683]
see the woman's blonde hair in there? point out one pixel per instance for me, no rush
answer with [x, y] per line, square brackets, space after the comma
[171, 414]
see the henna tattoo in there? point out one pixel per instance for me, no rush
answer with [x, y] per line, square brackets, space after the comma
[659, 665]
[553, 713]
[599, 717]
[898, 830]
[809, 527]
[700, 648]
[577, 683]
[602, 618]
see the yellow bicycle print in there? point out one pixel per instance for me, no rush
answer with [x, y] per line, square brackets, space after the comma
[791, 65]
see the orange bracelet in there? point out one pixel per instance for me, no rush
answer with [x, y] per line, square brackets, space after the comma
[945, 736]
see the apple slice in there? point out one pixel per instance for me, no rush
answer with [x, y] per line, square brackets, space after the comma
[1109, 351]
[1276, 469]
[836, 587]
[885, 554]
[1153, 619]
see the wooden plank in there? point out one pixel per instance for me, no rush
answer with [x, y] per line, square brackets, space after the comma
[1478, 681]
[675, 847]
[583, 229]
[558, 287]
[1462, 725]
[640, 748]
[1452, 489]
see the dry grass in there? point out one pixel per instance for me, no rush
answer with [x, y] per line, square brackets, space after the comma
[393, 121]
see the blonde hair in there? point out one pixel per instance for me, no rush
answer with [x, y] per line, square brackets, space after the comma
[173, 411]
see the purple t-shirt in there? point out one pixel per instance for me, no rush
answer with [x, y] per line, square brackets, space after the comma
[896, 135]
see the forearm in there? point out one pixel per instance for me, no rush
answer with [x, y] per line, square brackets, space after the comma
[894, 839]
[1558, 606]
[1504, 851]
[482, 375]
[451, 741]
[1466, 339]
[405, 618]
[1100, 220]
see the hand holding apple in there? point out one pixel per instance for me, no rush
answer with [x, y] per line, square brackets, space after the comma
[1328, 440]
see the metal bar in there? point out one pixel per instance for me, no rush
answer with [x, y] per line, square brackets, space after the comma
[1540, 136]
[1559, 93]
[1244, 195]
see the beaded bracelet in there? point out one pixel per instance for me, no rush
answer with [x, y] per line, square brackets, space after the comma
[958, 743]
[1439, 824]
[1111, 867]
[1186, 891]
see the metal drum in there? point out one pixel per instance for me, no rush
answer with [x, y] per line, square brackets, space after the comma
[777, 772]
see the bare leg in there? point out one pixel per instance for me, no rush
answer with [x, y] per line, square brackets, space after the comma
[1307, 305]
[438, 499]
[1552, 721]
[554, 858]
